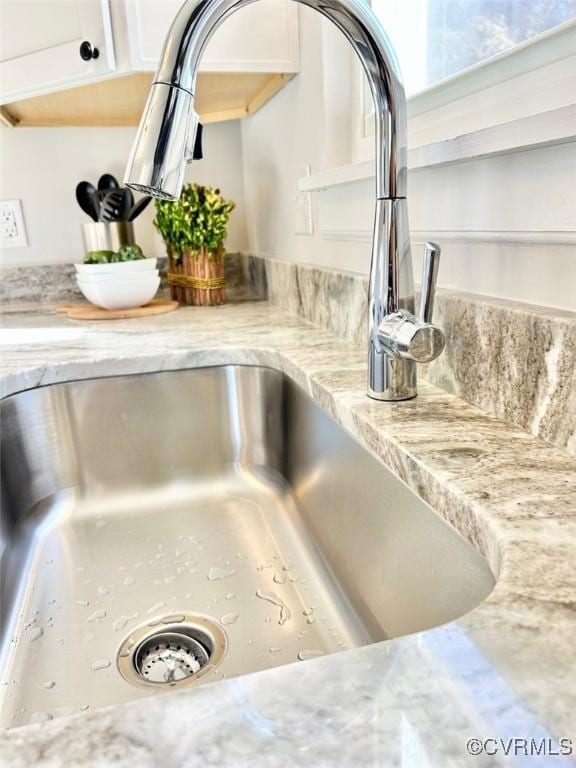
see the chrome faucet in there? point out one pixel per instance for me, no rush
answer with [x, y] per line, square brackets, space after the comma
[398, 339]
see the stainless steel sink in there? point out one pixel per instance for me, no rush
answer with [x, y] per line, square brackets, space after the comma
[173, 528]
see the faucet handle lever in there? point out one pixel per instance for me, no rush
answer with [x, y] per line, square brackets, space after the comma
[429, 275]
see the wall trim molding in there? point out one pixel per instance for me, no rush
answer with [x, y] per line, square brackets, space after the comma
[520, 237]
[524, 238]
[545, 129]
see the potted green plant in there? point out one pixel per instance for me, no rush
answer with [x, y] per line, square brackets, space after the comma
[194, 229]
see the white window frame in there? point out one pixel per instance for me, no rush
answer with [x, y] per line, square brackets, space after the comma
[521, 98]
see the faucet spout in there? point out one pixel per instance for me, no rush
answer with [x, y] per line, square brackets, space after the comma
[166, 137]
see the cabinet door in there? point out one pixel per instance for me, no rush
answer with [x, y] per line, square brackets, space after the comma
[40, 45]
[262, 37]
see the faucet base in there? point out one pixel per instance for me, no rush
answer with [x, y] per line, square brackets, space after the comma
[386, 397]
[390, 378]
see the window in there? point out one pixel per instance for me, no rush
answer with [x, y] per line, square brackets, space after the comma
[435, 39]
[471, 65]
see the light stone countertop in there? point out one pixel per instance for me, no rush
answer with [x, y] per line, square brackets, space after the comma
[507, 669]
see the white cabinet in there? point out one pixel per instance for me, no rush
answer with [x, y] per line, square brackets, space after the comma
[45, 81]
[262, 37]
[40, 43]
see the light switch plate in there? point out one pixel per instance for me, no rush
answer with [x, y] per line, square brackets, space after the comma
[303, 224]
[12, 228]
[303, 219]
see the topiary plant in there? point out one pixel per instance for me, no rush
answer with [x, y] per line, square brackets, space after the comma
[199, 219]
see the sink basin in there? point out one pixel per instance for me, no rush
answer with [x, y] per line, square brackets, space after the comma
[149, 520]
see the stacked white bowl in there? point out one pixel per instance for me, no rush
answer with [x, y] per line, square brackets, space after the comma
[120, 285]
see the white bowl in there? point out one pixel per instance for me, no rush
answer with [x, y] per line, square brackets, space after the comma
[121, 295]
[117, 267]
[122, 277]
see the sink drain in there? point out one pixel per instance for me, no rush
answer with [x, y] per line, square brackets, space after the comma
[172, 650]
[168, 657]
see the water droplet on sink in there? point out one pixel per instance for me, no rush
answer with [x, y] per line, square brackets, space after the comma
[304, 655]
[156, 607]
[168, 579]
[83, 603]
[97, 615]
[99, 664]
[271, 597]
[102, 590]
[174, 618]
[311, 619]
[230, 596]
[84, 707]
[127, 647]
[279, 578]
[240, 556]
[49, 684]
[215, 574]
[229, 618]
[128, 581]
[275, 650]
[35, 634]
[121, 622]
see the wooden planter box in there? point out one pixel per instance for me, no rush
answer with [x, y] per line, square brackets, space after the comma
[198, 278]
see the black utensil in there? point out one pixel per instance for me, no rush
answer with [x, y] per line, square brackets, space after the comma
[107, 182]
[138, 208]
[197, 153]
[87, 198]
[115, 205]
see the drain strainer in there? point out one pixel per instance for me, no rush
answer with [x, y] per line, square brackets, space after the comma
[169, 657]
[172, 650]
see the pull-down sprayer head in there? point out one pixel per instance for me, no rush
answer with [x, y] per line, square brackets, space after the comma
[164, 143]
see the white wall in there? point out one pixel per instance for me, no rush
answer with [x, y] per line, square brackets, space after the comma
[41, 166]
[299, 127]
[498, 201]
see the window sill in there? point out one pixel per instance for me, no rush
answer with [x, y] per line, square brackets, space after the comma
[555, 126]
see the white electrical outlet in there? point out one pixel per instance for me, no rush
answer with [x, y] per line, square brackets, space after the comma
[12, 229]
